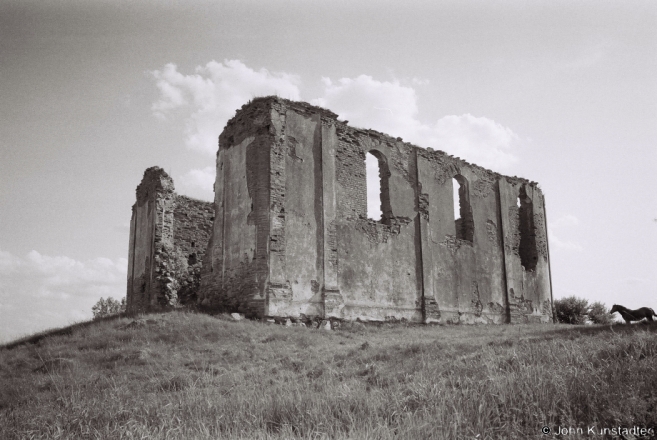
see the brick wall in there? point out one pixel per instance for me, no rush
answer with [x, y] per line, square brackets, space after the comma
[170, 234]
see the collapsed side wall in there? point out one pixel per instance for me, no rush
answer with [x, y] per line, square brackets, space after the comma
[192, 226]
[165, 230]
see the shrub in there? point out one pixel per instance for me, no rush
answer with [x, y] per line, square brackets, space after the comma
[572, 310]
[598, 314]
[108, 307]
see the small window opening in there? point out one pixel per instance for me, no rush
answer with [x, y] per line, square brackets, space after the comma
[378, 191]
[193, 244]
[527, 249]
[463, 220]
[191, 260]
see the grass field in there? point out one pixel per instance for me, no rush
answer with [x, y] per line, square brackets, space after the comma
[184, 375]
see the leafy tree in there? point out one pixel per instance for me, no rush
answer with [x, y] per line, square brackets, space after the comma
[108, 307]
[598, 314]
[571, 310]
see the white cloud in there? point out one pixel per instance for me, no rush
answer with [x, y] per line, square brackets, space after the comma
[199, 183]
[210, 96]
[53, 291]
[392, 108]
[213, 93]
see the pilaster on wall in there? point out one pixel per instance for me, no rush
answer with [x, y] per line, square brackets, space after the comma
[278, 289]
[425, 263]
[333, 301]
[212, 272]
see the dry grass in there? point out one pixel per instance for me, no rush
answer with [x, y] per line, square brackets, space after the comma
[183, 375]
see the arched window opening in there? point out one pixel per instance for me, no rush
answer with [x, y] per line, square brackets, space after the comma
[527, 249]
[378, 190]
[457, 204]
[463, 220]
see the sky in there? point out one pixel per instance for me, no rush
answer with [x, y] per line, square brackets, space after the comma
[94, 92]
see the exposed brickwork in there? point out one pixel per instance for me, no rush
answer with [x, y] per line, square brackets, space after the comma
[445, 166]
[519, 305]
[541, 236]
[291, 237]
[178, 228]
[453, 243]
[512, 239]
[485, 183]
[423, 205]
[350, 174]
[491, 231]
[192, 226]
[277, 193]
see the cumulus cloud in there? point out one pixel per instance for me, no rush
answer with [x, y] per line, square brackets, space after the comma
[40, 291]
[390, 107]
[211, 95]
[563, 223]
[206, 99]
[199, 183]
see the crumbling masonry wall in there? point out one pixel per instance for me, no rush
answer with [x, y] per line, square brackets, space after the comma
[291, 236]
[169, 235]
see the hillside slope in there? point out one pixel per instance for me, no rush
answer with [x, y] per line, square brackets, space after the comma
[183, 375]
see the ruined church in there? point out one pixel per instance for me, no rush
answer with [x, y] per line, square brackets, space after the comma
[288, 235]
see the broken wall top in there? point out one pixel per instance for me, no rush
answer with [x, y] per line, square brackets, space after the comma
[254, 118]
[155, 180]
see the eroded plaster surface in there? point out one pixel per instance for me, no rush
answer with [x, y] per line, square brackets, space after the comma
[291, 237]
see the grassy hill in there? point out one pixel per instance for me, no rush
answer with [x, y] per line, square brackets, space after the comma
[184, 375]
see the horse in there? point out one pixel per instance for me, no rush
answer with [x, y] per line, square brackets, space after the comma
[633, 315]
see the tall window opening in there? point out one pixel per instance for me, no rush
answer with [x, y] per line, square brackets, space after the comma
[463, 220]
[378, 190]
[527, 250]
